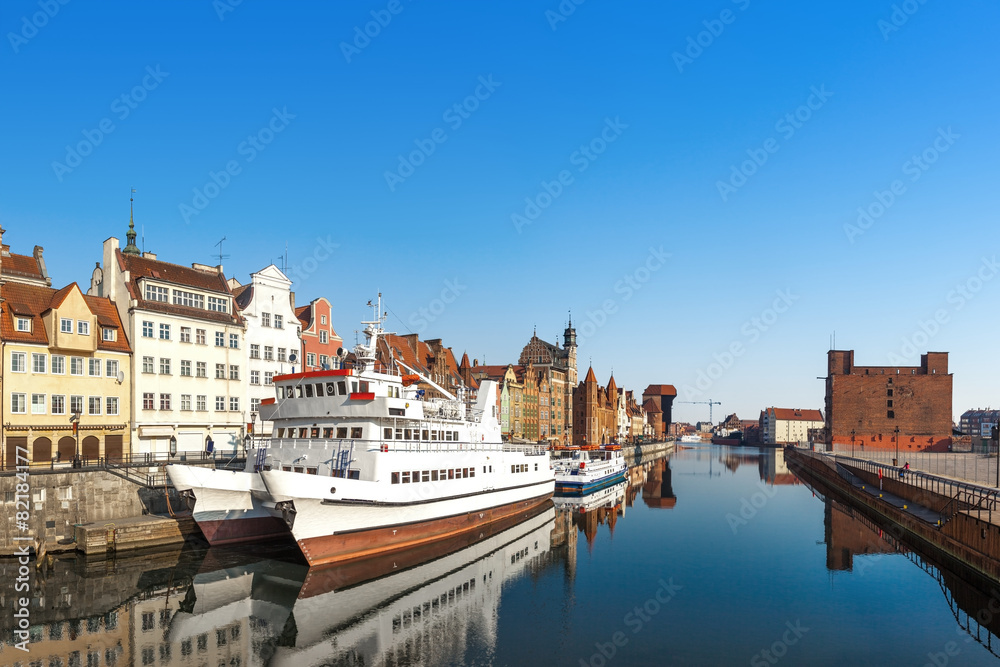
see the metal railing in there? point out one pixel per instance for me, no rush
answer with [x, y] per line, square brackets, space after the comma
[390, 445]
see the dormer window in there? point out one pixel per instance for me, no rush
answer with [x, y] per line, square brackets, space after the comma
[23, 324]
[83, 327]
[108, 334]
[155, 293]
[65, 325]
[218, 305]
[190, 299]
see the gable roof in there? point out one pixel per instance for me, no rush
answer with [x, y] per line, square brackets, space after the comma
[790, 414]
[33, 301]
[140, 268]
[23, 266]
[660, 390]
[243, 295]
[304, 313]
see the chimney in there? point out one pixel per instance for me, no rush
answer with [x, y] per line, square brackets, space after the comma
[37, 254]
[149, 255]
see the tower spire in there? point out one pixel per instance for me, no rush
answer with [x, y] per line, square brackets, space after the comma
[131, 248]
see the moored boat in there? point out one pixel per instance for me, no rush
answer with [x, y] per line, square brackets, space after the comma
[584, 469]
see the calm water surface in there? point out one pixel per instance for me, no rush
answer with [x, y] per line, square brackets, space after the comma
[713, 556]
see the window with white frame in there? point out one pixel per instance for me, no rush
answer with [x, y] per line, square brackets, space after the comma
[18, 362]
[268, 377]
[108, 334]
[234, 372]
[58, 404]
[148, 401]
[265, 319]
[190, 299]
[76, 365]
[147, 365]
[220, 403]
[164, 332]
[310, 358]
[234, 341]
[322, 319]
[94, 367]
[278, 322]
[164, 401]
[76, 404]
[254, 405]
[37, 363]
[65, 325]
[254, 377]
[324, 337]
[234, 403]
[282, 354]
[83, 327]
[164, 366]
[268, 353]
[22, 324]
[201, 402]
[147, 329]
[219, 305]
[18, 404]
[111, 405]
[38, 404]
[93, 405]
[185, 334]
[199, 336]
[185, 368]
[220, 339]
[254, 351]
[220, 371]
[111, 368]
[202, 369]
[155, 293]
[324, 360]
[185, 402]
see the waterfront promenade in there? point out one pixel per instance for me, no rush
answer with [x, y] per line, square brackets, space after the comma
[972, 467]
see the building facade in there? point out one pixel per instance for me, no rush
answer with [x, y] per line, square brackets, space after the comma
[595, 411]
[272, 339]
[67, 375]
[787, 425]
[556, 379]
[187, 339]
[320, 341]
[979, 423]
[867, 404]
[663, 395]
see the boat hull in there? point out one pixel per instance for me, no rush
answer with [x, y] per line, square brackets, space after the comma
[587, 486]
[338, 548]
[228, 505]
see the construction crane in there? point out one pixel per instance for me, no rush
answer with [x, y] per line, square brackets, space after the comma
[709, 403]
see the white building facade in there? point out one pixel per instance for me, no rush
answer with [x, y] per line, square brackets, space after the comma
[273, 337]
[787, 425]
[189, 369]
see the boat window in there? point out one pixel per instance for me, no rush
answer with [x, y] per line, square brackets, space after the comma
[298, 391]
[341, 432]
[408, 434]
[354, 387]
[281, 432]
[319, 389]
[328, 432]
[536, 467]
[472, 472]
[512, 469]
[287, 468]
[447, 436]
[364, 387]
[434, 475]
[416, 476]
[314, 433]
[395, 478]
[454, 436]
[310, 471]
[353, 474]
[425, 476]
[451, 474]
[406, 478]
[302, 432]
[443, 474]
[399, 434]
[434, 435]
[342, 388]
[297, 469]
[387, 432]
[425, 434]
[329, 389]
[355, 431]
[309, 391]
[397, 412]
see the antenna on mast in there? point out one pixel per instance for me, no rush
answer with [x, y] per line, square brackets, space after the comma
[219, 245]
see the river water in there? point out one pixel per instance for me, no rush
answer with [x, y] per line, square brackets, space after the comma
[711, 556]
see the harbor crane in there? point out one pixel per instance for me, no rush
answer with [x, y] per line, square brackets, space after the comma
[709, 403]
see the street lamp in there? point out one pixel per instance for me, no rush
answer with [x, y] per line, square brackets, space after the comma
[209, 444]
[852, 443]
[173, 446]
[895, 461]
[75, 420]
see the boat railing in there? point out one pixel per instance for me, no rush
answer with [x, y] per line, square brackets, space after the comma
[530, 450]
[387, 445]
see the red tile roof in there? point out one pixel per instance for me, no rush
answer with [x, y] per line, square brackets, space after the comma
[22, 265]
[590, 376]
[789, 414]
[651, 407]
[33, 301]
[304, 313]
[183, 276]
[660, 390]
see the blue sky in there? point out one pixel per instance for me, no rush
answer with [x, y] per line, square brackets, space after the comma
[586, 147]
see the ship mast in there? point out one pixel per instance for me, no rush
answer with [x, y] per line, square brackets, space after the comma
[366, 352]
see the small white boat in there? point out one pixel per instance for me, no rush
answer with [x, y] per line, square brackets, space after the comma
[584, 469]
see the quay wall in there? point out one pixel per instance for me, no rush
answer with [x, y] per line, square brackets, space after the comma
[641, 453]
[964, 542]
[61, 499]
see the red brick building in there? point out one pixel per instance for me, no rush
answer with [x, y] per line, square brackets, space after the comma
[663, 395]
[595, 411]
[319, 340]
[868, 403]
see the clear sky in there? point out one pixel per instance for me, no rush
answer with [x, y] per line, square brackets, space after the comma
[667, 171]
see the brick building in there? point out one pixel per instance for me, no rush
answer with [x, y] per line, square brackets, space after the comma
[663, 395]
[556, 378]
[868, 403]
[595, 411]
[320, 341]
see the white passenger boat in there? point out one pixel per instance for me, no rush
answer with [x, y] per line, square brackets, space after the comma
[362, 463]
[584, 469]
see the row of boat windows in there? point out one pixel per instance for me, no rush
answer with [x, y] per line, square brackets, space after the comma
[418, 476]
[321, 389]
[356, 433]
